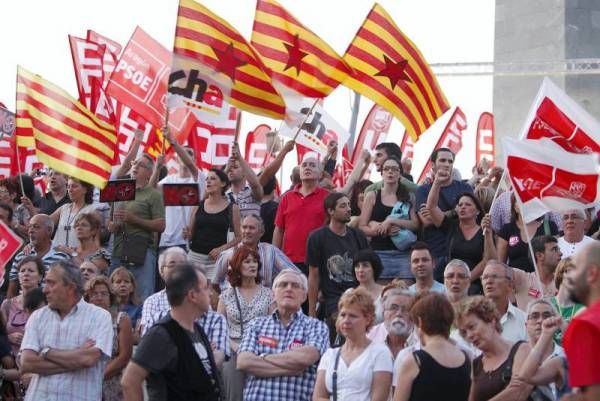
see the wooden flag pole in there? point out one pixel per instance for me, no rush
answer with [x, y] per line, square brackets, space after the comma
[238, 125]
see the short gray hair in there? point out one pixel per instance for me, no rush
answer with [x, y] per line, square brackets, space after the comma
[71, 275]
[303, 279]
[507, 269]
[47, 220]
[169, 251]
[261, 223]
[393, 292]
[460, 263]
[542, 301]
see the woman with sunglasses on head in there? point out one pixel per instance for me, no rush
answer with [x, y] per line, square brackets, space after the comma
[31, 272]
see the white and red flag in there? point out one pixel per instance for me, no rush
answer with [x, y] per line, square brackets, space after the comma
[484, 142]
[373, 132]
[548, 178]
[451, 137]
[557, 117]
[407, 147]
[256, 150]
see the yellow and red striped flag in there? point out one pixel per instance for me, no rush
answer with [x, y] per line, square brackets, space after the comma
[296, 56]
[390, 70]
[68, 137]
[207, 41]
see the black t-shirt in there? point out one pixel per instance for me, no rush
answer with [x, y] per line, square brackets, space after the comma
[470, 251]
[332, 254]
[518, 250]
[157, 353]
[210, 230]
[268, 210]
[48, 205]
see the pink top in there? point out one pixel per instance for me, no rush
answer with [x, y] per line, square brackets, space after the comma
[16, 318]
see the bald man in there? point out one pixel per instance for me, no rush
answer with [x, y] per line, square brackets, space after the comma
[581, 341]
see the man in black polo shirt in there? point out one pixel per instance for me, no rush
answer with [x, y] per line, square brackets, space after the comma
[175, 355]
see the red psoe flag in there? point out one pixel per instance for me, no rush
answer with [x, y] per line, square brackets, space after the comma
[9, 245]
[484, 141]
[68, 137]
[451, 137]
[256, 149]
[548, 178]
[555, 116]
[297, 57]
[389, 69]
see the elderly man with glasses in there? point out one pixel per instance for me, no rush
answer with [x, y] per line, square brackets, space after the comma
[280, 352]
[574, 238]
[497, 281]
[457, 278]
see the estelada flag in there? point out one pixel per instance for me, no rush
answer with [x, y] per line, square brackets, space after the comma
[545, 177]
[389, 69]
[68, 137]
[205, 44]
[554, 115]
[296, 56]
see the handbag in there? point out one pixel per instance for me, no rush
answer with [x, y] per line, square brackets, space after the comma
[133, 251]
[230, 230]
[334, 375]
[239, 306]
[404, 238]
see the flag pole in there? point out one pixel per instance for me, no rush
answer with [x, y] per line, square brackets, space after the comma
[238, 125]
[353, 121]
[304, 120]
[166, 128]
[19, 168]
[17, 138]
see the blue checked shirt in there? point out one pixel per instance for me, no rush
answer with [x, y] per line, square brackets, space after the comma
[266, 335]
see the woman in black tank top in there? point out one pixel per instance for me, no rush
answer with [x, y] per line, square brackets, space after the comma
[500, 361]
[440, 370]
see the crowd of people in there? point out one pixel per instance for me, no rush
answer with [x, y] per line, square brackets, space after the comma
[376, 291]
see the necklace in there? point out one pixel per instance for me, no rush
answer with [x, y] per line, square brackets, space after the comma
[67, 227]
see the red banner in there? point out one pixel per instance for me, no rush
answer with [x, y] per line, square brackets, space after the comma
[9, 245]
[451, 138]
[343, 169]
[256, 149]
[407, 147]
[111, 55]
[484, 141]
[212, 144]
[373, 132]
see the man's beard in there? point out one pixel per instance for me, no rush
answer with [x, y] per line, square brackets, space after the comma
[398, 327]
[578, 291]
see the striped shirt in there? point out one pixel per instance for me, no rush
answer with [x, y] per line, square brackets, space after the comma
[214, 324]
[48, 259]
[245, 201]
[272, 261]
[45, 328]
[266, 335]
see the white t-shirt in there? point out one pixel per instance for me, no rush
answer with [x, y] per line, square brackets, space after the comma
[354, 382]
[177, 217]
[568, 249]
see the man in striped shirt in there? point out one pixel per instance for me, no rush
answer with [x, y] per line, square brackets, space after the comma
[67, 343]
[246, 191]
[40, 233]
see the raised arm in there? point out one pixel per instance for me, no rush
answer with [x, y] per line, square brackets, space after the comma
[133, 151]
[251, 178]
[357, 172]
[436, 214]
[155, 177]
[272, 168]
[181, 152]
[533, 371]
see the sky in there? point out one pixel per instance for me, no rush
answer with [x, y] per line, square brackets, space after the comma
[34, 35]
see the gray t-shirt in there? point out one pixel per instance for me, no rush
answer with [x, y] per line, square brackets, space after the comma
[146, 355]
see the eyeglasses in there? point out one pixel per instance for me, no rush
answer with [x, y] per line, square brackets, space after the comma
[572, 216]
[393, 169]
[537, 315]
[494, 277]
[461, 276]
[294, 284]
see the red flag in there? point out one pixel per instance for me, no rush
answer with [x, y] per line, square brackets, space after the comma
[451, 137]
[9, 245]
[484, 142]
[407, 146]
[140, 81]
[556, 116]
[373, 132]
[111, 55]
[547, 178]
[87, 61]
[343, 169]
[212, 144]
[256, 149]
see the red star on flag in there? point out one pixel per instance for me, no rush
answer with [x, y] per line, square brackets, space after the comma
[228, 62]
[394, 71]
[295, 55]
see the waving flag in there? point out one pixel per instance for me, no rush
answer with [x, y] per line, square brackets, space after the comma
[391, 71]
[548, 178]
[554, 115]
[213, 62]
[484, 142]
[296, 56]
[68, 136]
[257, 149]
[374, 131]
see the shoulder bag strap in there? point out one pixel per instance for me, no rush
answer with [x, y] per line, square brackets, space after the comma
[334, 375]
[239, 306]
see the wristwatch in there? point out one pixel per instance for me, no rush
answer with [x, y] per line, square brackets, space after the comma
[44, 352]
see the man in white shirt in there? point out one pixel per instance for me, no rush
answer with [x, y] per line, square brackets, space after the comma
[177, 217]
[574, 238]
[67, 343]
[497, 279]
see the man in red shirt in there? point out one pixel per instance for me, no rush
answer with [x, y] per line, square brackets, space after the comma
[582, 338]
[300, 211]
